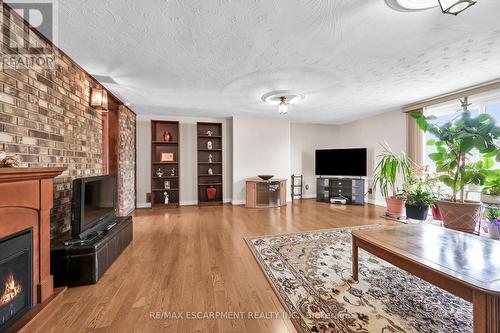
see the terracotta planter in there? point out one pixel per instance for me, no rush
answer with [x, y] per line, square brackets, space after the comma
[460, 216]
[395, 206]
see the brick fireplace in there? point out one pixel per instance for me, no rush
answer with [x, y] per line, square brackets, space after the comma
[27, 294]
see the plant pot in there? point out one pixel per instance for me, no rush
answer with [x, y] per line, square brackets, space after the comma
[494, 231]
[460, 216]
[436, 213]
[491, 199]
[417, 212]
[395, 206]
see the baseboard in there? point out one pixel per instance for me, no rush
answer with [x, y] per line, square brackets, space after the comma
[238, 202]
[188, 203]
[143, 205]
[309, 196]
[376, 202]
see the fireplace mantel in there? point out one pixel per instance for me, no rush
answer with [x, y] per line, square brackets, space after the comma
[26, 198]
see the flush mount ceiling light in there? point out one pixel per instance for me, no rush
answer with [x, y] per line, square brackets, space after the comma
[447, 6]
[455, 6]
[282, 98]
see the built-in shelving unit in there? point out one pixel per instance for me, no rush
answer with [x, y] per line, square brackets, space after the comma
[209, 137]
[165, 163]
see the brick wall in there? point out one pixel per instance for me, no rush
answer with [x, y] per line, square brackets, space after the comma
[46, 119]
[126, 160]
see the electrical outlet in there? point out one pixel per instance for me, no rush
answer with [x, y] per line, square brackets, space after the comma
[307, 187]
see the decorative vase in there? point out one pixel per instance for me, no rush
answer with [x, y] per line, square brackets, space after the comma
[166, 136]
[417, 212]
[436, 213]
[211, 193]
[209, 145]
[395, 206]
[460, 216]
[159, 173]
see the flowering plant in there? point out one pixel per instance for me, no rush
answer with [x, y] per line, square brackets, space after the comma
[7, 161]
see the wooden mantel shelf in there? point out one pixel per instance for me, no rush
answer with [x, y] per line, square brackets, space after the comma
[20, 174]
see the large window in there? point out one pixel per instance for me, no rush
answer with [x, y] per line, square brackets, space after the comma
[485, 103]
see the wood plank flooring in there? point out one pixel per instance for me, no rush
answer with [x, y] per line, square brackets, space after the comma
[194, 259]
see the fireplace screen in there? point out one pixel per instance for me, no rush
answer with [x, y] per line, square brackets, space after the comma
[16, 277]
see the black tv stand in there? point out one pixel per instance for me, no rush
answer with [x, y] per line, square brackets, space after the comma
[350, 189]
[81, 262]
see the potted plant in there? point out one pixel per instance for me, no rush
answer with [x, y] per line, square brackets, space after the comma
[389, 170]
[491, 191]
[419, 194]
[494, 222]
[456, 140]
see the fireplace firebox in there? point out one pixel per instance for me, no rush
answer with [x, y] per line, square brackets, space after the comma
[16, 276]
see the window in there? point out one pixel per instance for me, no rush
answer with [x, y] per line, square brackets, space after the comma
[484, 103]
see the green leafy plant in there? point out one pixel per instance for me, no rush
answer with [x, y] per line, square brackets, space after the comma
[456, 141]
[492, 183]
[419, 188]
[389, 168]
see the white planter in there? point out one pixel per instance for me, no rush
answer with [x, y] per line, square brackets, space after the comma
[494, 231]
[492, 199]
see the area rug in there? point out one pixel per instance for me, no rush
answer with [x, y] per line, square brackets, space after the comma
[311, 274]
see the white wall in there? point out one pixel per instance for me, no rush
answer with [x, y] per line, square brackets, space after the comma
[304, 140]
[188, 162]
[390, 128]
[260, 146]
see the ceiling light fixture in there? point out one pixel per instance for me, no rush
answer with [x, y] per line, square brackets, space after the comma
[454, 7]
[282, 98]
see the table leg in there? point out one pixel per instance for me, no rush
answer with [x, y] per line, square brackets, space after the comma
[486, 313]
[354, 260]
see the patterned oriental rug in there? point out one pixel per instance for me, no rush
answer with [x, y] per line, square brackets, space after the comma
[311, 274]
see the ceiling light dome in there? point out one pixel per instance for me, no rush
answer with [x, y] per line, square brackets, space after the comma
[282, 98]
[411, 5]
[455, 6]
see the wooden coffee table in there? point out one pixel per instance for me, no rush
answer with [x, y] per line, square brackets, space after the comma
[465, 265]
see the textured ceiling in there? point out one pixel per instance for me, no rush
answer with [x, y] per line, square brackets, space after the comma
[352, 58]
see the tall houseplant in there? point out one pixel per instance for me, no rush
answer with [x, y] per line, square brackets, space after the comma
[389, 170]
[456, 141]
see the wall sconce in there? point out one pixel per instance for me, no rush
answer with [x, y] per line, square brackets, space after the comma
[99, 98]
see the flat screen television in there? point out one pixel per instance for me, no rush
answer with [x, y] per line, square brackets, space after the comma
[94, 202]
[341, 162]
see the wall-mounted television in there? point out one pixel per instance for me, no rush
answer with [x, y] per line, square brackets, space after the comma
[341, 162]
[94, 202]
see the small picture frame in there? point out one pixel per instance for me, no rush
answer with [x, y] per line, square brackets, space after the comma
[167, 184]
[167, 157]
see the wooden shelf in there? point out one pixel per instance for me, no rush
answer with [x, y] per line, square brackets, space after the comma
[216, 179]
[165, 142]
[159, 147]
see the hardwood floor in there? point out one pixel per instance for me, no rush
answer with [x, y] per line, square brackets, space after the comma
[194, 259]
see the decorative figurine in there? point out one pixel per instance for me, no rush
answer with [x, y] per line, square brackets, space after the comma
[209, 145]
[210, 171]
[172, 172]
[166, 136]
[159, 173]
[165, 194]
[209, 133]
[210, 158]
[167, 184]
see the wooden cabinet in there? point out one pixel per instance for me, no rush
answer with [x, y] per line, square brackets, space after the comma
[210, 167]
[265, 193]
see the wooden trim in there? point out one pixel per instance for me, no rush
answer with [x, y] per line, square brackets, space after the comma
[477, 89]
[415, 140]
[21, 174]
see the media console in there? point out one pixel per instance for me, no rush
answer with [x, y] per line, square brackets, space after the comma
[81, 262]
[352, 190]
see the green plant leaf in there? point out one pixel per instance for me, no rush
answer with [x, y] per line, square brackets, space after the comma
[448, 181]
[436, 157]
[488, 163]
[431, 142]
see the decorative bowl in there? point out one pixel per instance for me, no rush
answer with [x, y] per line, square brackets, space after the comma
[265, 177]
